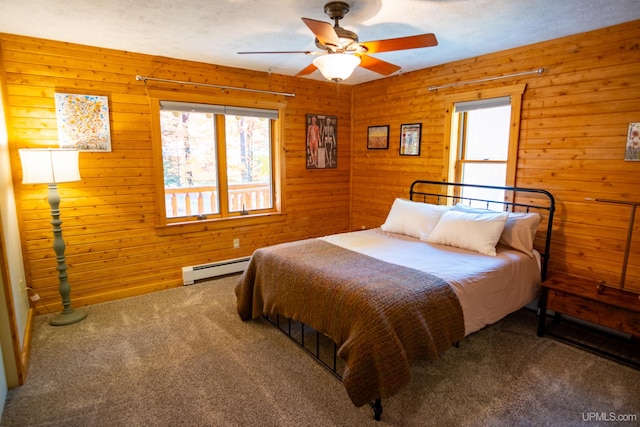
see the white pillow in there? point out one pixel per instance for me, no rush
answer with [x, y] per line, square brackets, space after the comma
[477, 232]
[519, 232]
[469, 209]
[413, 218]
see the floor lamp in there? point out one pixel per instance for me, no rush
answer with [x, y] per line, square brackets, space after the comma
[52, 166]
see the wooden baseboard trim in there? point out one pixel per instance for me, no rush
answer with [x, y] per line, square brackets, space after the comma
[26, 347]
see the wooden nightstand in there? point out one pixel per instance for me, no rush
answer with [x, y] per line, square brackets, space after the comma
[586, 299]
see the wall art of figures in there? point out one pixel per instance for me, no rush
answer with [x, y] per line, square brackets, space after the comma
[322, 141]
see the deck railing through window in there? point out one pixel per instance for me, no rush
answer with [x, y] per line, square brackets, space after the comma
[188, 201]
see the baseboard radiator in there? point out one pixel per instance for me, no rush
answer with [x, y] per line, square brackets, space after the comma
[194, 273]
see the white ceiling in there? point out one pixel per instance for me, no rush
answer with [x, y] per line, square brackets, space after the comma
[213, 31]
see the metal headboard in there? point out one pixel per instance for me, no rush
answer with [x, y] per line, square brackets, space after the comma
[448, 193]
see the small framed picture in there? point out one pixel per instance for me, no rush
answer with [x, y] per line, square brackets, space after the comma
[378, 137]
[410, 139]
[632, 152]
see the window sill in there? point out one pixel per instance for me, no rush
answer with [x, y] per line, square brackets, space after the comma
[218, 224]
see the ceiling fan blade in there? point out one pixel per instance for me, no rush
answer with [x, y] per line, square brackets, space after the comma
[307, 70]
[401, 43]
[306, 52]
[323, 31]
[378, 65]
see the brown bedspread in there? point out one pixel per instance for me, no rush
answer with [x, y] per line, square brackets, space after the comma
[382, 316]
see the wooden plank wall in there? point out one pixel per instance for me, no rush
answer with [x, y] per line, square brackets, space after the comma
[574, 123]
[575, 119]
[109, 218]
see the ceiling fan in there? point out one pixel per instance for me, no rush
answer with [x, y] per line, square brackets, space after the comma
[341, 51]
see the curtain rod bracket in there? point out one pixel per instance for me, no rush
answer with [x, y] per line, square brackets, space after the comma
[222, 88]
[488, 79]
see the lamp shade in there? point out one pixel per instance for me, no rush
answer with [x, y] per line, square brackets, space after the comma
[49, 165]
[336, 66]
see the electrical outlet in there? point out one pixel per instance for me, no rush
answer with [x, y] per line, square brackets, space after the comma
[236, 243]
[34, 295]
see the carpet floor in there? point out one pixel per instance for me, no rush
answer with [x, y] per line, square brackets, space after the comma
[184, 357]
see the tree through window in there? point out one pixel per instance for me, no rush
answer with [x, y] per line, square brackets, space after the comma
[217, 160]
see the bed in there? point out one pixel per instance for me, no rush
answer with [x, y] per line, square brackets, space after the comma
[444, 264]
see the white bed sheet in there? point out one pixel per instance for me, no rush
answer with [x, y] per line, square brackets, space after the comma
[488, 287]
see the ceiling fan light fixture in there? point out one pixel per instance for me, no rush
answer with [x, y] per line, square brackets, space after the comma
[342, 51]
[336, 66]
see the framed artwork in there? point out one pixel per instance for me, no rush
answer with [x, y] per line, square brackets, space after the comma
[632, 152]
[410, 139]
[83, 122]
[322, 141]
[378, 137]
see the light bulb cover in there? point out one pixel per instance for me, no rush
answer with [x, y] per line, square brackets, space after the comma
[336, 66]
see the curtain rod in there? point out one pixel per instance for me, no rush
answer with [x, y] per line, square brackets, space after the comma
[144, 79]
[488, 79]
[627, 245]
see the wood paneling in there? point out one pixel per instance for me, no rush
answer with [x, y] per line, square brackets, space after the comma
[575, 118]
[114, 248]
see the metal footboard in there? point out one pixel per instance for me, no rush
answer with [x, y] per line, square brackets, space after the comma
[319, 346]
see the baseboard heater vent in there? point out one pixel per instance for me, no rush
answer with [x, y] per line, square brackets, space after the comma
[215, 269]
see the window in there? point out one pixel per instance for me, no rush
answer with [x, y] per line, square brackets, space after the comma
[484, 137]
[217, 161]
